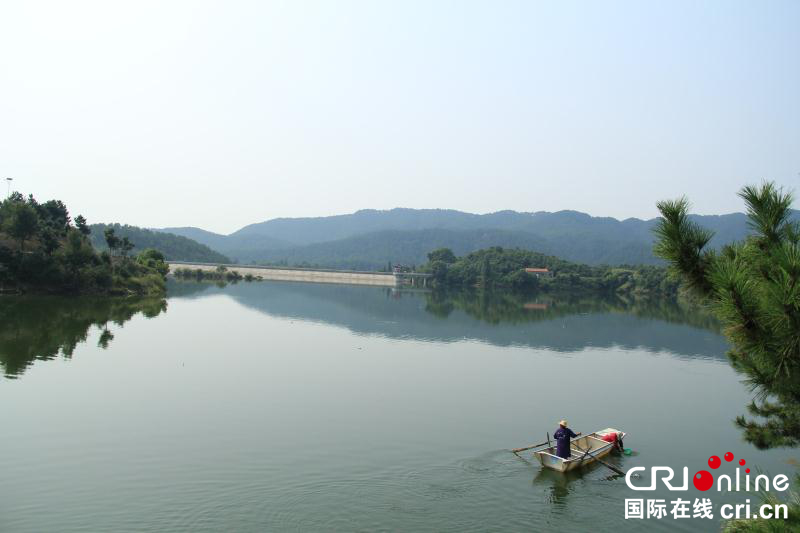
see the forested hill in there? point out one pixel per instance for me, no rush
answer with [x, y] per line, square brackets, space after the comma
[174, 247]
[242, 248]
[375, 250]
[370, 238]
[499, 267]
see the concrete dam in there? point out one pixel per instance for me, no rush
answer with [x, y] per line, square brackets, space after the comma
[314, 275]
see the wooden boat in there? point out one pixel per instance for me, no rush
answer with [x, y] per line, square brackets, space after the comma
[593, 443]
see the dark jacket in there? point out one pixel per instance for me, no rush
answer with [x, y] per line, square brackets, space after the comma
[562, 436]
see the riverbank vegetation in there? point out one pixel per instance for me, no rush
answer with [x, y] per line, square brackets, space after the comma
[753, 287]
[219, 274]
[498, 267]
[43, 250]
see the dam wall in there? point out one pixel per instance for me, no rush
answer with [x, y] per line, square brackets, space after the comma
[311, 275]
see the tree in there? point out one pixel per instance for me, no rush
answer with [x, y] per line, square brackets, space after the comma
[112, 240]
[105, 337]
[125, 245]
[62, 259]
[486, 271]
[445, 255]
[22, 224]
[439, 271]
[53, 213]
[16, 197]
[49, 238]
[80, 223]
[77, 254]
[153, 259]
[754, 289]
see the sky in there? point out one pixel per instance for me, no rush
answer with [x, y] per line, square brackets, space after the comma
[221, 114]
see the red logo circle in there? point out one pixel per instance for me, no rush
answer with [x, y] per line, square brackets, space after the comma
[714, 462]
[703, 480]
[729, 457]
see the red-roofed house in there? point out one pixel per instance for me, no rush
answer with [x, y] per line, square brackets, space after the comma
[539, 272]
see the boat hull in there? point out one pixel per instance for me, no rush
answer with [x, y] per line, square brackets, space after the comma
[593, 443]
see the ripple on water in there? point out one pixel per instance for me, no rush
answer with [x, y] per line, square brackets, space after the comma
[417, 499]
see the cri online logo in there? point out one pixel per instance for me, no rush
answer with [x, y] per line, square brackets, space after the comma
[704, 480]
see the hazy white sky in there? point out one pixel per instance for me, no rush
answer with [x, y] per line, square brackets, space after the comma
[219, 114]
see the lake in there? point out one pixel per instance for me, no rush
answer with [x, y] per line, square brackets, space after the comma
[301, 407]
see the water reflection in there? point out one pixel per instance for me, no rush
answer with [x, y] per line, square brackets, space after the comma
[504, 319]
[276, 422]
[496, 307]
[44, 327]
[41, 328]
[558, 485]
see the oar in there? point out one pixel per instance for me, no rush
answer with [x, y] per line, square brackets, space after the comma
[587, 452]
[517, 450]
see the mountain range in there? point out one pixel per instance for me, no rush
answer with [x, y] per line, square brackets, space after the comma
[370, 239]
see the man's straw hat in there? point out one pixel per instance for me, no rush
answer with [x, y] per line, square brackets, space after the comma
[563, 423]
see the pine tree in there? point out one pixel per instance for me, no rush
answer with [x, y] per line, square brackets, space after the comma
[80, 223]
[112, 241]
[23, 223]
[754, 289]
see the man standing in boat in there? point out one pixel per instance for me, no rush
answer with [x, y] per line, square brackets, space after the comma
[562, 436]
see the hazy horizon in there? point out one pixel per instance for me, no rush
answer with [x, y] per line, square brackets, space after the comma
[222, 115]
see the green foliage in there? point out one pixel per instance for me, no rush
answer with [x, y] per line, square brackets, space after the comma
[60, 257]
[76, 253]
[44, 327]
[80, 223]
[174, 247]
[515, 307]
[52, 213]
[139, 281]
[445, 255]
[219, 274]
[500, 267]
[681, 243]
[125, 246]
[112, 241]
[154, 260]
[22, 223]
[754, 288]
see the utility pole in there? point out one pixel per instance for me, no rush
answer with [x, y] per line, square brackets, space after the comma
[8, 189]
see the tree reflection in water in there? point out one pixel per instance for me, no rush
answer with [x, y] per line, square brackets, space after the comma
[497, 307]
[44, 327]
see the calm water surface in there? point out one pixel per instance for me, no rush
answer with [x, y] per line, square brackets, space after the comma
[282, 406]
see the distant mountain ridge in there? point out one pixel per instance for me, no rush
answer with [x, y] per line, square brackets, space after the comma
[370, 238]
